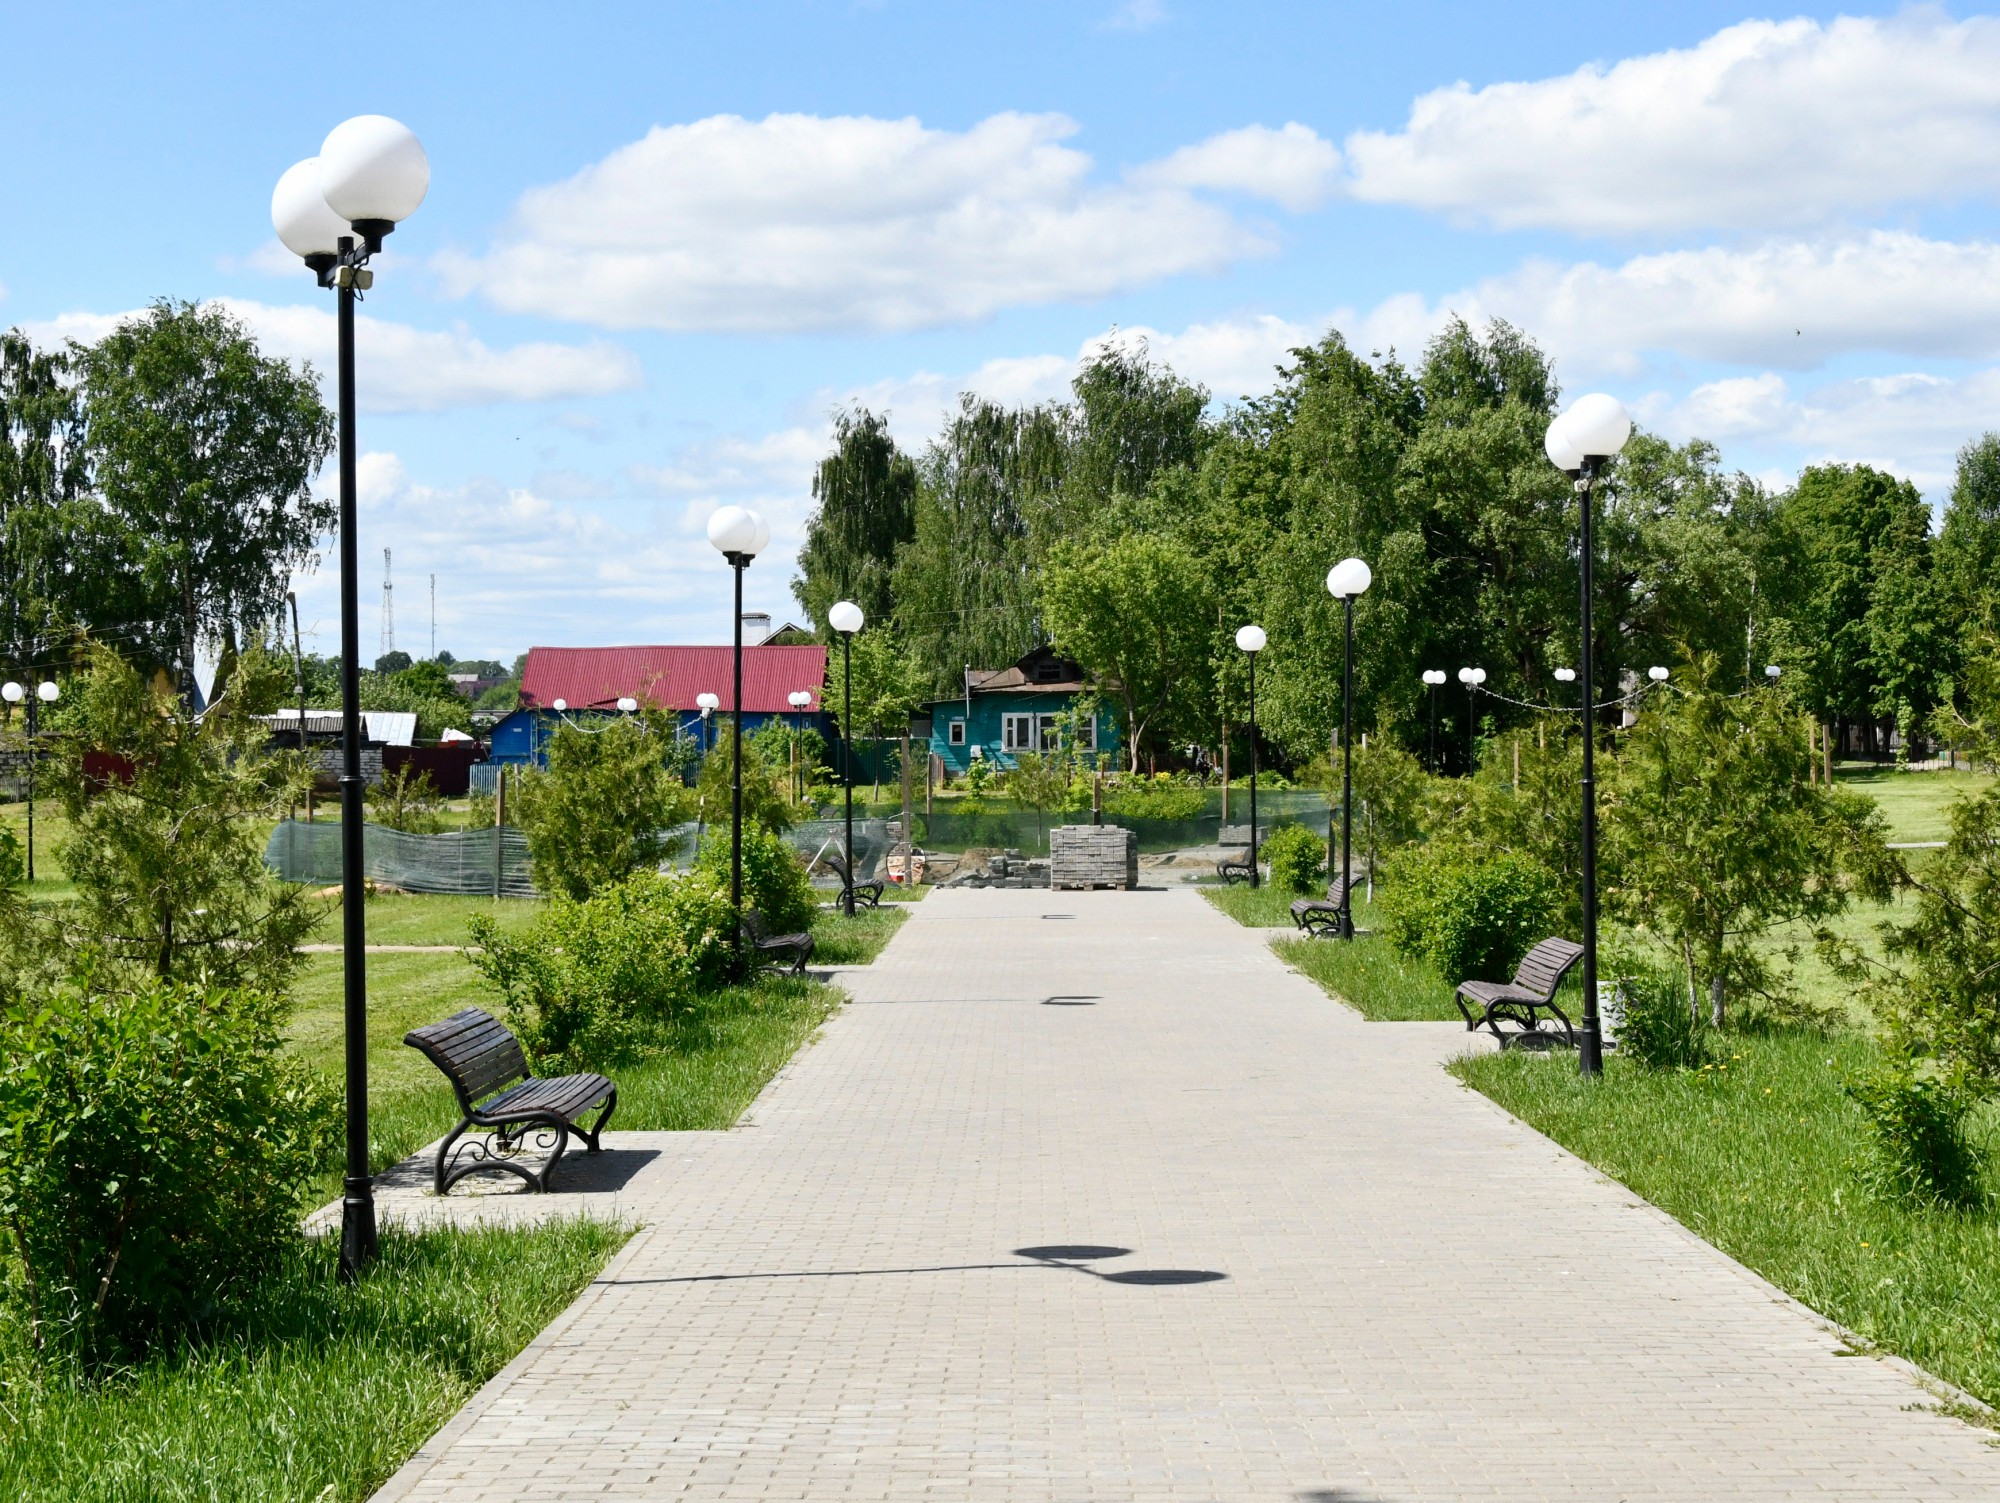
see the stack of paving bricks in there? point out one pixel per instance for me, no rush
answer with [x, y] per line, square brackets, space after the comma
[1086, 856]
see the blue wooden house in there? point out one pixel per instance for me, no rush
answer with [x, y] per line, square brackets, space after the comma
[1005, 711]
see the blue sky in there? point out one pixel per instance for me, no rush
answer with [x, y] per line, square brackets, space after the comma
[663, 241]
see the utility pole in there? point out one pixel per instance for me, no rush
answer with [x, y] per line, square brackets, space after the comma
[388, 644]
[434, 618]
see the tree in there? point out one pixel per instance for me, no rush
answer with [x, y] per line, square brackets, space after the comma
[1714, 836]
[204, 452]
[603, 808]
[393, 662]
[1138, 613]
[867, 494]
[166, 854]
[43, 475]
[764, 802]
[1967, 552]
[887, 687]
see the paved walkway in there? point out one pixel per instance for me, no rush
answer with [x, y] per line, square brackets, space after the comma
[1086, 1197]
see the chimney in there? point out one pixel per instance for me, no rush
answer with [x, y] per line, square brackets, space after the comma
[756, 627]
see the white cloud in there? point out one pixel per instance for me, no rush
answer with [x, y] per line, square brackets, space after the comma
[405, 369]
[1291, 166]
[796, 222]
[1763, 125]
[1791, 304]
[1135, 15]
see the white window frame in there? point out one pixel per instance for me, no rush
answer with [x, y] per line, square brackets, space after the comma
[1017, 731]
[1086, 733]
[954, 733]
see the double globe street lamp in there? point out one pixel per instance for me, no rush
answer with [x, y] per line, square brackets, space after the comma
[1433, 677]
[708, 704]
[1250, 641]
[846, 618]
[739, 535]
[1580, 442]
[46, 693]
[334, 210]
[800, 700]
[1346, 582]
[1472, 678]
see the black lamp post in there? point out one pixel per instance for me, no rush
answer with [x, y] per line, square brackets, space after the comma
[1250, 641]
[707, 704]
[1472, 678]
[846, 618]
[1345, 581]
[800, 701]
[1579, 443]
[46, 693]
[739, 535]
[1432, 678]
[333, 210]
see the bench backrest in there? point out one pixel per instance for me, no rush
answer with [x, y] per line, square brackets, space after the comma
[1542, 969]
[755, 927]
[1336, 892]
[476, 1051]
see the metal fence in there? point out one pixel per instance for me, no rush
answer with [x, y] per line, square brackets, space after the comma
[1003, 825]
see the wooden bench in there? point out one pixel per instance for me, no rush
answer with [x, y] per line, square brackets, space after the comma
[482, 1059]
[866, 894]
[798, 947]
[1236, 867]
[1522, 1000]
[1320, 917]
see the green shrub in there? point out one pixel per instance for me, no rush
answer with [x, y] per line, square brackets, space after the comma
[154, 1147]
[1469, 918]
[774, 878]
[601, 810]
[1918, 1150]
[1155, 798]
[595, 980]
[1297, 857]
[1660, 1029]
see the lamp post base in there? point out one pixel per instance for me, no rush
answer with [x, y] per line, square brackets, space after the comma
[1590, 1048]
[357, 1229]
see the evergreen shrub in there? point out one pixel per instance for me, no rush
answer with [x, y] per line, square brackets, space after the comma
[1471, 919]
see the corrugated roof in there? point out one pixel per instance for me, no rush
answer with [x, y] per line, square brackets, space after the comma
[669, 677]
[390, 727]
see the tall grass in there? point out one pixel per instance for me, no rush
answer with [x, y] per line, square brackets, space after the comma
[1761, 1154]
[1371, 977]
[840, 940]
[305, 1390]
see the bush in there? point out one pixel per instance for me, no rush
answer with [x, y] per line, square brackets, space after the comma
[1470, 919]
[1661, 1029]
[595, 980]
[1156, 798]
[1919, 1153]
[407, 800]
[154, 1147]
[602, 809]
[1297, 858]
[774, 878]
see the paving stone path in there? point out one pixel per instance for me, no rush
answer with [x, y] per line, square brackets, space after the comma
[1087, 1197]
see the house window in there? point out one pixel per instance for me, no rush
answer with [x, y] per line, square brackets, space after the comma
[1086, 733]
[955, 733]
[1017, 733]
[1045, 732]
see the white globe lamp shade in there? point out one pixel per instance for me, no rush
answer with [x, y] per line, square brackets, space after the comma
[1434, 676]
[763, 537]
[1348, 578]
[300, 215]
[1563, 454]
[845, 618]
[1565, 675]
[48, 693]
[1597, 425]
[1772, 671]
[1250, 638]
[372, 167]
[1465, 675]
[627, 703]
[1479, 675]
[707, 702]
[561, 705]
[733, 529]
[12, 692]
[1657, 674]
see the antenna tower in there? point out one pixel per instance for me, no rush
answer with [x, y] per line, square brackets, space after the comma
[388, 608]
[434, 618]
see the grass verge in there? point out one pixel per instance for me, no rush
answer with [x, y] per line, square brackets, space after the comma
[1370, 977]
[1271, 907]
[840, 940]
[1758, 1155]
[308, 1390]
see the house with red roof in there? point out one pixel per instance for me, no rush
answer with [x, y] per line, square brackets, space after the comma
[579, 683]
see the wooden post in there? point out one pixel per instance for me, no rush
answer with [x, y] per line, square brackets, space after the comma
[1097, 795]
[1225, 772]
[909, 818]
[499, 823]
[1826, 752]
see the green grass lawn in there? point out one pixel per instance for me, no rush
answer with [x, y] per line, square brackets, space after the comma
[840, 940]
[1372, 978]
[1915, 803]
[1269, 907]
[1757, 1156]
[428, 918]
[308, 1391]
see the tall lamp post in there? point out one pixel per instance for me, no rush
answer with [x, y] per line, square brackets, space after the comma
[1579, 443]
[846, 618]
[1250, 641]
[739, 535]
[46, 693]
[333, 210]
[1346, 581]
[707, 704]
[800, 701]
[1472, 678]
[1432, 678]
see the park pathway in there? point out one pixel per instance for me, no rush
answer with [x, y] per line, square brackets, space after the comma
[1087, 1197]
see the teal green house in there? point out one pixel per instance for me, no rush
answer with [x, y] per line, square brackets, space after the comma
[1006, 711]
